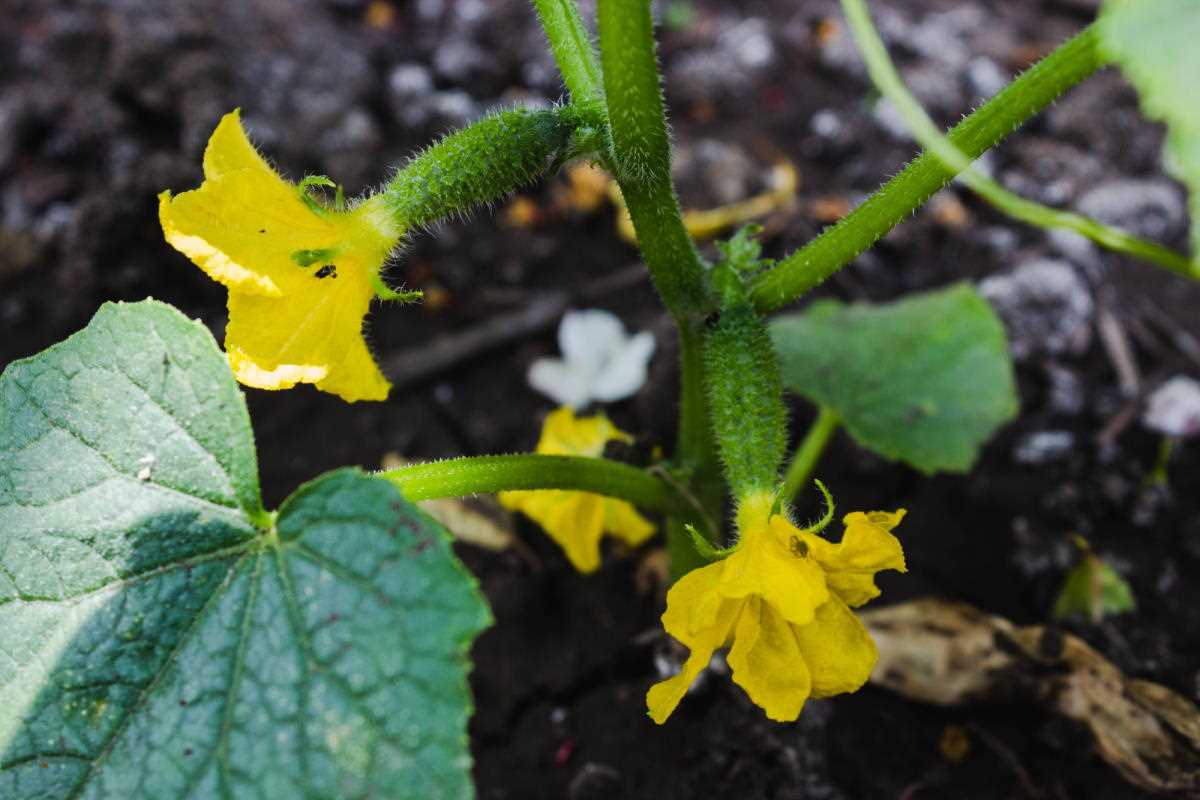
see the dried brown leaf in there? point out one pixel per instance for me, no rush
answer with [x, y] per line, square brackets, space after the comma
[950, 653]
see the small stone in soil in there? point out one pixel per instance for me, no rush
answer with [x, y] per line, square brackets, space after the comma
[1046, 307]
[1153, 209]
[595, 781]
[1065, 393]
[1041, 447]
[1174, 408]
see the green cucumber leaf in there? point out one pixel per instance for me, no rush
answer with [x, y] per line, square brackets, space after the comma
[162, 636]
[925, 380]
[1155, 42]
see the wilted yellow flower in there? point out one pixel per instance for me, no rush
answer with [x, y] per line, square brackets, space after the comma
[577, 520]
[300, 276]
[781, 602]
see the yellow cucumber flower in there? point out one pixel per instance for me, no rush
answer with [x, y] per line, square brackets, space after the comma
[781, 602]
[577, 520]
[300, 276]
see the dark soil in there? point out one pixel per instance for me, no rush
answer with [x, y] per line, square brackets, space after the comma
[103, 104]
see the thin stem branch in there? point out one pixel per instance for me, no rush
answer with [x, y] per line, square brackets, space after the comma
[641, 155]
[1032, 91]
[695, 451]
[809, 452]
[456, 477]
[889, 83]
[572, 48]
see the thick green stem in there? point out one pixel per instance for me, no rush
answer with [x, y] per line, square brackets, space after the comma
[809, 452]
[889, 83]
[456, 477]
[640, 158]
[641, 155]
[572, 47]
[1036, 88]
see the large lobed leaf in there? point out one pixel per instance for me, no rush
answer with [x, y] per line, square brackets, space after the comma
[162, 636]
[926, 379]
[1157, 44]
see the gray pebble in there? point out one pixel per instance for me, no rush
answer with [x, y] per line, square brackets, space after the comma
[1046, 307]
[726, 173]
[1174, 408]
[1066, 392]
[1042, 447]
[1154, 209]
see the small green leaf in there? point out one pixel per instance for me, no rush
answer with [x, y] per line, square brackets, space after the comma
[1093, 589]
[743, 251]
[306, 258]
[316, 180]
[704, 548]
[926, 379]
[164, 636]
[1155, 43]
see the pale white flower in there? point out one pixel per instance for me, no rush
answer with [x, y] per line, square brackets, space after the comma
[600, 362]
[1174, 408]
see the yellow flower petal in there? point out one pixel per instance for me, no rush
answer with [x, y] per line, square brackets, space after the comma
[622, 520]
[574, 520]
[696, 614]
[839, 652]
[767, 566]
[564, 434]
[701, 633]
[313, 335]
[663, 698]
[357, 377]
[577, 520]
[229, 150]
[244, 222]
[767, 663]
[299, 279]
[882, 519]
[867, 547]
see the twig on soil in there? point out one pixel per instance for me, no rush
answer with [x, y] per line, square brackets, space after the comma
[618, 281]
[1184, 341]
[1118, 423]
[1120, 354]
[1009, 757]
[415, 365]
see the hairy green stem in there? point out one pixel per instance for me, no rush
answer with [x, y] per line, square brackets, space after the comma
[889, 83]
[1032, 91]
[641, 155]
[456, 477]
[695, 447]
[695, 451]
[809, 452]
[640, 158]
[745, 398]
[487, 160]
[572, 48]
